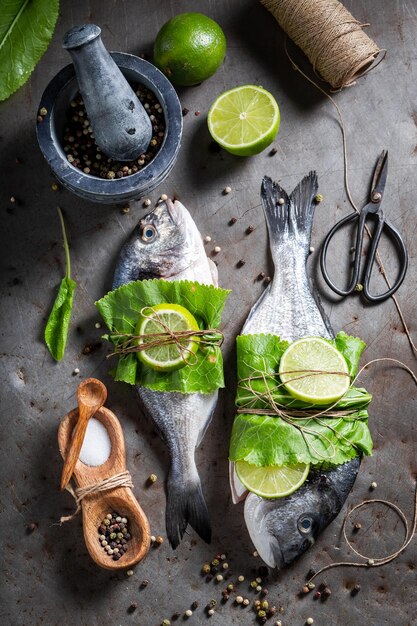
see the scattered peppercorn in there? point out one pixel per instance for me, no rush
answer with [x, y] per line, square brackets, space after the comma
[311, 586]
[246, 602]
[206, 569]
[176, 616]
[240, 263]
[241, 579]
[305, 589]
[259, 588]
[132, 608]
[55, 187]
[217, 249]
[144, 584]
[267, 280]
[271, 611]
[152, 479]
[250, 229]
[359, 287]
[356, 589]
[317, 595]
[147, 203]
[129, 571]
[253, 584]
[318, 198]
[197, 113]
[261, 613]
[311, 249]
[239, 600]
[232, 221]
[188, 613]
[207, 238]
[357, 526]
[309, 621]
[43, 111]
[261, 276]
[219, 578]
[194, 605]
[281, 201]
[311, 572]
[215, 562]
[165, 622]
[163, 197]
[326, 593]
[265, 605]
[230, 587]
[31, 527]
[185, 111]
[273, 152]
[264, 592]
[159, 540]
[371, 562]
[227, 190]
[373, 485]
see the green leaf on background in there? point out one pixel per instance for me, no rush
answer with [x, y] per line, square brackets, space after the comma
[120, 310]
[26, 28]
[56, 330]
[268, 440]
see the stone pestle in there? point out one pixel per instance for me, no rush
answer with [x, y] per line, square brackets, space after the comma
[122, 129]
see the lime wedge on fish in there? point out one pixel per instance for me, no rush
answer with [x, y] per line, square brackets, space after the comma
[273, 481]
[163, 318]
[313, 370]
[244, 120]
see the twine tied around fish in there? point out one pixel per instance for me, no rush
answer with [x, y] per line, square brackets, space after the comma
[127, 343]
[290, 415]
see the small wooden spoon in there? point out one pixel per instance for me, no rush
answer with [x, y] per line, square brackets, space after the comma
[91, 396]
[121, 499]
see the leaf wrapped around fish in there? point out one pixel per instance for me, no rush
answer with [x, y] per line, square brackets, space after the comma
[304, 433]
[120, 310]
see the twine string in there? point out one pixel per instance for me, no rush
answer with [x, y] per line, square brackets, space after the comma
[129, 342]
[122, 479]
[328, 34]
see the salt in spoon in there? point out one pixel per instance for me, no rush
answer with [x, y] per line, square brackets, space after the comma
[91, 396]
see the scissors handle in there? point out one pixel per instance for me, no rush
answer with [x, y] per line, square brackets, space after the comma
[381, 225]
[356, 267]
[393, 233]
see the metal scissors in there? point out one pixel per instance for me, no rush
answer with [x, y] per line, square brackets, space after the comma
[373, 208]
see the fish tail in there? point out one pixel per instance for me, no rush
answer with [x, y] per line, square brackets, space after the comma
[290, 217]
[186, 505]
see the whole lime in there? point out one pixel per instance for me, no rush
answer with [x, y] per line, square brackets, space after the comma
[189, 48]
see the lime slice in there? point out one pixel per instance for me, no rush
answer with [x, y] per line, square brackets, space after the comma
[273, 481]
[244, 120]
[302, 359]
[166, 357]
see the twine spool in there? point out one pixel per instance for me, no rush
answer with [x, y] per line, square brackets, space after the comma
[331, 38]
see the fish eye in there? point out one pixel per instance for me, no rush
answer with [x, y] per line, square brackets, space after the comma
[148, 233]
[305, 524]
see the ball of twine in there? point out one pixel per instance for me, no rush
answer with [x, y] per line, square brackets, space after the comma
[331, 38]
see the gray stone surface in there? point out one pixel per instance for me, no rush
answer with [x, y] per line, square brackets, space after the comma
[48, 577]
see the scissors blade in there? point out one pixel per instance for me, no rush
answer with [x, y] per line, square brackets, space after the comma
[380, 176]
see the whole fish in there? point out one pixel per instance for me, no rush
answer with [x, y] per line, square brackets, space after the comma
[284, 528]
[167, 244]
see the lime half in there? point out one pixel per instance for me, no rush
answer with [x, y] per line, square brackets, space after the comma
[273, 481]
[244, 120]
[154, 320]
[314, 371]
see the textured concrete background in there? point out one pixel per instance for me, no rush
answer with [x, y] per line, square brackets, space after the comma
[48, 576]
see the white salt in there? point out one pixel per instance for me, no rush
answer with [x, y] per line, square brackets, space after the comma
[96, 446]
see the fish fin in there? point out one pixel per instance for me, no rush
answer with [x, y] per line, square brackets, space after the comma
[186, 505]
[295, 215]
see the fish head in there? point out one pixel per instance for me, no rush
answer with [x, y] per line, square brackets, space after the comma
[164, 243]
[283, 529]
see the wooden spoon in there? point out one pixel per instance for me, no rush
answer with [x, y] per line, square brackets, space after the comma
[91, 396]
[121, 499]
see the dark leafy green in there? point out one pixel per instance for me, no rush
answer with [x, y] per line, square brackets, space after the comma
[270, 440]
[26, 28]
[56, 330]
[120, 310]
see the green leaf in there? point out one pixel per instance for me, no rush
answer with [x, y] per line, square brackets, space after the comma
[120, 310]
[270, 440]
[56, 330]
[26, 28]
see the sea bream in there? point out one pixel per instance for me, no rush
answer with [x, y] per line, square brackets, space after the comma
[167, 244]
[284, 528]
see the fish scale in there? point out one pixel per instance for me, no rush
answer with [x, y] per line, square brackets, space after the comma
[284, 528]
